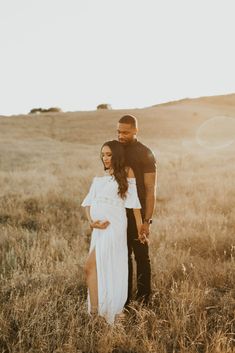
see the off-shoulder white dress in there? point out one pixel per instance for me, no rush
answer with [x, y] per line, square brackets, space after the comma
[110, 244]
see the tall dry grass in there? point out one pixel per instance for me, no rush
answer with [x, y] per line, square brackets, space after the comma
[46, 168]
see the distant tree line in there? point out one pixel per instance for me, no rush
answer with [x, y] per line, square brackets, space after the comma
[58, 110]
[42, 110]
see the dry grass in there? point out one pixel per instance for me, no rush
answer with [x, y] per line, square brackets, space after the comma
[46, 167]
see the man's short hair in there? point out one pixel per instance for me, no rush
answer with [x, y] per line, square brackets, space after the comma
[129, 119]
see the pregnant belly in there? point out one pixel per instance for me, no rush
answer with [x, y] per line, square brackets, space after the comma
[99, 212]
[105, 212]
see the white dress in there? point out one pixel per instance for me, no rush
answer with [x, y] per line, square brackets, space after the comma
[110, 244]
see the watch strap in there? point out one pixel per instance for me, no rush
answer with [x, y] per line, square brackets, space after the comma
[148, 220]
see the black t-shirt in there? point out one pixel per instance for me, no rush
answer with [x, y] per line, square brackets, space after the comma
[142, 160]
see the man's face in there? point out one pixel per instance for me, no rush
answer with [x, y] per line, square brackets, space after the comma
[126, 133]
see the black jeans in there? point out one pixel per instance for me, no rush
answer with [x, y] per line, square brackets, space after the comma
[141, 252]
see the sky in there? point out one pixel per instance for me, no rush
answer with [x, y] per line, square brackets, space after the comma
[76, 54]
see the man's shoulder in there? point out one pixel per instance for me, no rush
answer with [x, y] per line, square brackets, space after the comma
[144, 148]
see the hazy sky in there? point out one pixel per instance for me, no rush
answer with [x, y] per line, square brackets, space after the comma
[76, 54]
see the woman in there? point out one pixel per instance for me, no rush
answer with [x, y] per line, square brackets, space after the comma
[106, 267]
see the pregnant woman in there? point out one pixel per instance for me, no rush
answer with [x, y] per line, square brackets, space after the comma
[106, 267]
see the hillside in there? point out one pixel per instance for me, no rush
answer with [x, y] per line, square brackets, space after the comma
[47, 163]
[174, 120]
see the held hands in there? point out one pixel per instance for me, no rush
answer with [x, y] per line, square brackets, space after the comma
[143, 232]
[99, 224]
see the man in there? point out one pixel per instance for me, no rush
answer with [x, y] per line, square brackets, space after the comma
[141, 159]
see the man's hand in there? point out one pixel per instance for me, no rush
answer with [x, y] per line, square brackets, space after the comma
[145, 229]
[99, 224]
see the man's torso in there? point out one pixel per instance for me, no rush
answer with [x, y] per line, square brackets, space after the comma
[141, 159]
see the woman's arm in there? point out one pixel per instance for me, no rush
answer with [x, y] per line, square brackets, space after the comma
[139, 223]
[138, 218]
[137, 213]
[87, 210]
[95, 224]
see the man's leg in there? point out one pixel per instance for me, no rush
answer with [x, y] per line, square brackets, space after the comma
[130, 277]
[141, 252]
[130, 236]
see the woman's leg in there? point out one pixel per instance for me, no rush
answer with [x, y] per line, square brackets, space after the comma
[91, 280]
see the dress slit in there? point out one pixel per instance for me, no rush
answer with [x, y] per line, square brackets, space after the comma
[88, 294]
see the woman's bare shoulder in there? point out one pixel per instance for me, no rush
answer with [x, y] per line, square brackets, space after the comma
[130, 172]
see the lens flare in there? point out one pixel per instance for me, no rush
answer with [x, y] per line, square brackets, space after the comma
[217, 132]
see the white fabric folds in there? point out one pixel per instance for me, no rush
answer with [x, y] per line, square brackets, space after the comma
[110, 244]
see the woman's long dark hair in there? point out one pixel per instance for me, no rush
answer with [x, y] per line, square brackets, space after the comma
[118, 165]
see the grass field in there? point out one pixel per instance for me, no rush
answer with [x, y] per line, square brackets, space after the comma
[46, 165]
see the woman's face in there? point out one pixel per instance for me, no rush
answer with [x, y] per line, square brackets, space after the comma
[106, 155]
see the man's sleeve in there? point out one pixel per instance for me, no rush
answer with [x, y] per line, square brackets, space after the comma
[149, 162]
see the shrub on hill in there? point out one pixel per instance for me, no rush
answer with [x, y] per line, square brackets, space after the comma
[104, 106]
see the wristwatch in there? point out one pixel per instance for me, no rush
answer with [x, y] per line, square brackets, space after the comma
[148, 220]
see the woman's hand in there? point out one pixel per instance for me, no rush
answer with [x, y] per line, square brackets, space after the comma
[99, 224]
[143, 238]
[143, 234]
